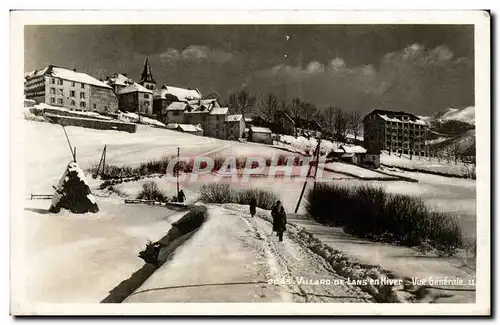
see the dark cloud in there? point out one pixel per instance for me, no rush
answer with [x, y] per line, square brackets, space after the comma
[415, 79]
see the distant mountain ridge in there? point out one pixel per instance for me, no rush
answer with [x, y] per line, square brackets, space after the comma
[453, 130]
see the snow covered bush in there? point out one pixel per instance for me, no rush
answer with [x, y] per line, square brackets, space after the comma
[265, 199]
[216, 193]
[223, 193]
[369, 212]
[151, 191]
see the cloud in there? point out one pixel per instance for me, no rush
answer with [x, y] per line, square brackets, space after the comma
[416, 79]
[197, 53]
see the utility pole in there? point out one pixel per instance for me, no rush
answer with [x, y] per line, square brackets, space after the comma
[305, 182]
[178, 153]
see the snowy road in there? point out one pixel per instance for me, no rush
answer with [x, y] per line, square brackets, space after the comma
[235, 258]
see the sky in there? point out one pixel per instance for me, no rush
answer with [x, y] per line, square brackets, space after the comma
[421, 69]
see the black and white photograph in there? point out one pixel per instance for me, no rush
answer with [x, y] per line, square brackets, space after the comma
[331, 163]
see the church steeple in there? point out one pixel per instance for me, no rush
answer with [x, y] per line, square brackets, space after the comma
[147, 77]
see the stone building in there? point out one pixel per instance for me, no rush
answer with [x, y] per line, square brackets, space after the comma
[67, 88]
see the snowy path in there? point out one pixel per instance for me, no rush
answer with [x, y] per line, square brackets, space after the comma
[234, 258]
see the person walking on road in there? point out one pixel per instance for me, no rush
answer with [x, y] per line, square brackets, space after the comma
[279, 219]
[253, 206]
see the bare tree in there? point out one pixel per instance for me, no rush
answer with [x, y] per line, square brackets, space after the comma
[329, 117]
[295, 108]
[268, 106]
[341, 125]
[355, 124]
[241, 102]
[213, 95]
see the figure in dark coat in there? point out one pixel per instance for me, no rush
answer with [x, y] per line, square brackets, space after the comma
[182, 196]
[253, 206]
[279, 219]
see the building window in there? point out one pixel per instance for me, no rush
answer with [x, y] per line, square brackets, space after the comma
[146, 96]
[82, 95]
[53, 91]
[95, 106]
[60, 101]
[146, 103]
[83, 104]
[61, 92]
[73, 102]
[59, 82]
[52, 100]
[175, 113]
[82, 86]
[105, 108]
[72, 93]
[53, 81]
[73, 84]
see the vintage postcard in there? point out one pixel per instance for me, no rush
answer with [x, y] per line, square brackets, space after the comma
[250, 163]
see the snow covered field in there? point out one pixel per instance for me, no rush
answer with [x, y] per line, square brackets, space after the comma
[80, 258]
[74, 258]
[304, 145]
[434, 164]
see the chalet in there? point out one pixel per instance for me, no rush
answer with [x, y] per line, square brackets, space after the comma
[166, 95]
[235, 126]
[394, 131]
[260, 135]
[135, 98]
[355, 154]
[67, 88]
[216, 123]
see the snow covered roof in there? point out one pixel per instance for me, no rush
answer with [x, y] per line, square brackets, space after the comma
[205, 102]
[188, 128]
[393, 116]
[121, 80]
[135, 87]
[353, 149]
[67, 74]
[219, 111]
[176, 106]
[257, 129]
[172, 125]
[234, 118]
[181, 93]
[36, 73]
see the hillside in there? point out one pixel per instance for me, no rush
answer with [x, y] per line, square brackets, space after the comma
[464, 144]
[453, 130]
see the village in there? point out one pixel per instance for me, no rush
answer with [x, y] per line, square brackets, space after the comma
[67, 95]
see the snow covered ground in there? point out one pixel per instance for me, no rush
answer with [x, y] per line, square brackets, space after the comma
[402, 261]
[235, 258]
[74, 258]
[304, 145]
[354, 170]
[425, 164]
[80, 258]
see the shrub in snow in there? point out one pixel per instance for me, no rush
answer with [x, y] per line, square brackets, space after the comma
[223, 193]
[216, 193]
[151, 191]
[369, 212]
[265, 199]
[73, 193]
